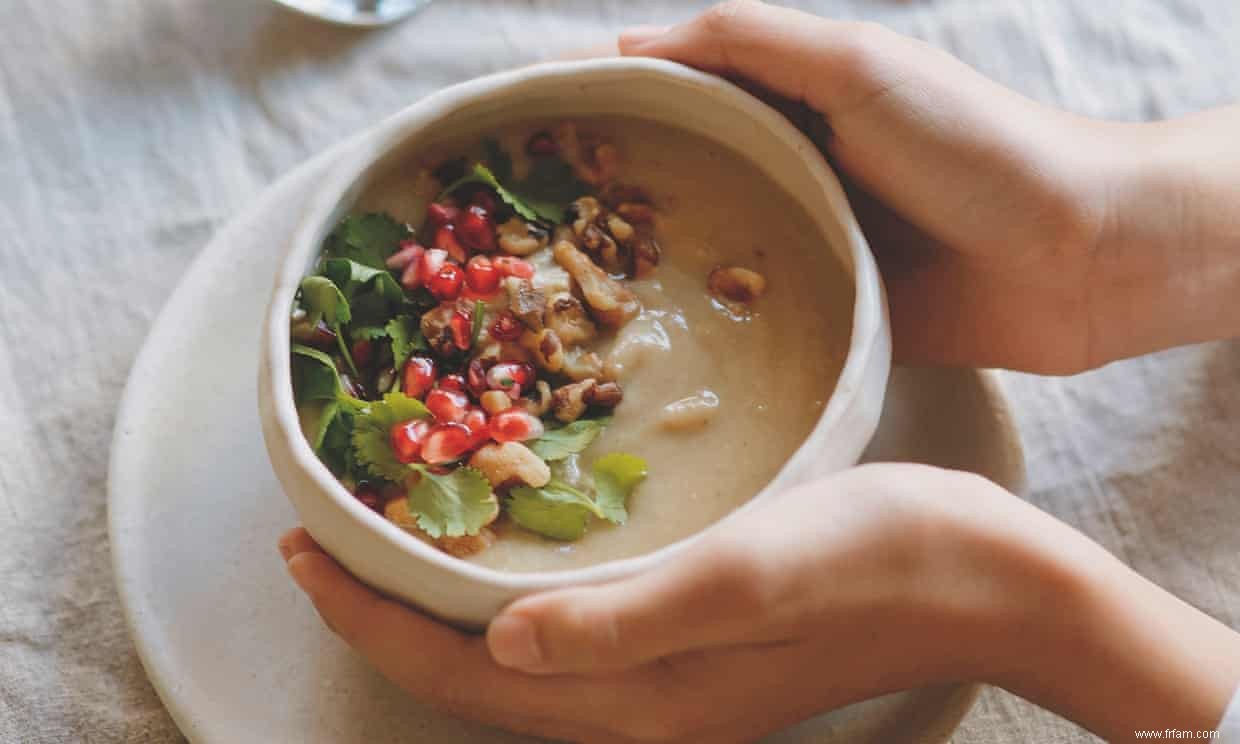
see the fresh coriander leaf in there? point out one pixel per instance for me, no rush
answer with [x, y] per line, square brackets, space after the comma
[367, 239]
[327, 416]
[367, 332]
[456, 504]
[480, 309]
[499, 161]
[557, 510]
[314, 375]
[372, 427]
[323, 300]
[406, 335]
[334, 447]
[483, 174]
[615, 477]
[353, 278]
[550, 187]
[557, 444]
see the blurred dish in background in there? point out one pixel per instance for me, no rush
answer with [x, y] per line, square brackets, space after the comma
[361, 13]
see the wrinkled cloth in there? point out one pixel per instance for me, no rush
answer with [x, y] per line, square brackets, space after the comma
[130, 131]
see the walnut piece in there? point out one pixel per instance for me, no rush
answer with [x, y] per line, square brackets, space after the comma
[526, 302]
[507, 463]
[546, 349]
[567, 317]
[611, 303]
[436, 329]
[736, 284]
[605, 395]
[520, 238]
[570, 401]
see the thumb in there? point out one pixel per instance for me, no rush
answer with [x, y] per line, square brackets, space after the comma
[794, 54]
[713, 594]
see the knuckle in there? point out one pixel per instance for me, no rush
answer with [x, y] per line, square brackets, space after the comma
[722, 18]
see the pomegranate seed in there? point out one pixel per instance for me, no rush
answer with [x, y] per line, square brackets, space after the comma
[485, 199]
[446, 240]
[515, 425]
[411, 277]
[476, 230]
[451, 382]
[462, 327]
[542, 145]
[511, 266]
[481, 276]
[438, 215]
[369, 496]
[419, 375]
[408, 438]
[446, 443]
[507, 327]
[446, 283]
[476, 421]
[476, 378]
[363, 352]
[505, 375]
[447, 406]
[430, 264]
[408, 252]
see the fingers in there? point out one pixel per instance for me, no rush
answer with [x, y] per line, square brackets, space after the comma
[440, 666]
[713, 594]
[779, 48]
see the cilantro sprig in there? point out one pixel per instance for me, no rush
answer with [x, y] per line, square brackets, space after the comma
[452, 505]
[543, 196]
[571, 439]
[562, 512]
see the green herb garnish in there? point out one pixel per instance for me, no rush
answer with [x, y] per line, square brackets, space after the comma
[456, 504]
[557, 444]
[372, 428]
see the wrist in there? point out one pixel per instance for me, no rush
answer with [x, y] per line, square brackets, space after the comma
[1103, 646]
[1166, 267]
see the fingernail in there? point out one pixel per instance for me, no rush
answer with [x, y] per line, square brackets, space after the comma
[286, 550]
[514, 642]
[642, 34]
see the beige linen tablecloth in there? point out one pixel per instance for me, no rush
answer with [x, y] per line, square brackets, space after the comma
[130, 130]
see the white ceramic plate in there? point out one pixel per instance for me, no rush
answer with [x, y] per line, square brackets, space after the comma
[234, 650]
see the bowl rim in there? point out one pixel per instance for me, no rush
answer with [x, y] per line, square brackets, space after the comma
[869, 323]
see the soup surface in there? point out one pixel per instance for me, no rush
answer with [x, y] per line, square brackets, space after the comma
[716, 398]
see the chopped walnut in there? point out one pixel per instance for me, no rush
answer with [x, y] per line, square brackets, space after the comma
[540, 402]
[611, 303]
[646, 255]
[520, 238]
[570, 401]
[605, 395]
[735, 284]
[594, 162]
[636, 213]
[436, 329]
[507, 463]
[567, 317]
[546, 348]
[526, 302]
[620, 229]
[586, 212]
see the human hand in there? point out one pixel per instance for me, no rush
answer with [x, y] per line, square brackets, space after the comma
[877, 579]
[1010, 234]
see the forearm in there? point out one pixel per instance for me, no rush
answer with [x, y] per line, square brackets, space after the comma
[1118, 654]
[1166, 269]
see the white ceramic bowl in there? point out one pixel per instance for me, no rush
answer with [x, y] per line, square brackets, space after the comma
[394, 562]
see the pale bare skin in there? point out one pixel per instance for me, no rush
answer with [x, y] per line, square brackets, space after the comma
[1012, 235]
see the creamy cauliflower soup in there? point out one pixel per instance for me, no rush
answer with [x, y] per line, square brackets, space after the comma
[571, 343]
